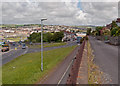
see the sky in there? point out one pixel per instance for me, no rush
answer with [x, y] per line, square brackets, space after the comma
[71, 12]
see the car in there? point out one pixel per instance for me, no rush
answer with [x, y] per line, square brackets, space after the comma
[107, 41]
[20, 42]
[78, 39]
[23, 46]
[5, 47]
[13, 43]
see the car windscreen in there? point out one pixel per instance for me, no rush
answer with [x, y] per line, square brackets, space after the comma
[23, 44]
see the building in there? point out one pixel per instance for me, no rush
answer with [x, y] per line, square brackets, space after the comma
[118, 22]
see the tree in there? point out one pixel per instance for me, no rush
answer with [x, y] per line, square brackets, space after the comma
[93, 33]
[33, 36]
[47, 37]
[115, 31]
[57, 37]
[106, 32]
[113, 25]
[118, 32]
[98, 30]
[88, 31]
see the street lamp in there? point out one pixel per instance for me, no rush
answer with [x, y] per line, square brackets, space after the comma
[42, 43]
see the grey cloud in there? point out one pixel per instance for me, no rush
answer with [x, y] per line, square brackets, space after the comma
[101, 13]
[59, 12]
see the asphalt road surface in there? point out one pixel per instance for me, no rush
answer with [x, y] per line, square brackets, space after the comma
[10, 55]
[30, 50]
[61, 73]
[106, 57]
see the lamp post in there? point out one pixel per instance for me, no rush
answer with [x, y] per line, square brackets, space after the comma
[42, 43]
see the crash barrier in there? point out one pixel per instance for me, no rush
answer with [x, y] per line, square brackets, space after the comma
[72, 78]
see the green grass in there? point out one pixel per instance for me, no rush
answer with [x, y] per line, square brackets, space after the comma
[27, 67]
[94, 73]
[47, 45]
[16, 39]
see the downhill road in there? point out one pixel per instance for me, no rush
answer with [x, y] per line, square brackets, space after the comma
[106, 57]
[61, 72]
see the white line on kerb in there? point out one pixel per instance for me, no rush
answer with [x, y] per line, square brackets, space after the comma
[65, 72]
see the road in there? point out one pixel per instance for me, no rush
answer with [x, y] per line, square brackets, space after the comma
[61, 73]
[12, 54]
[30, 50]
[106, 57]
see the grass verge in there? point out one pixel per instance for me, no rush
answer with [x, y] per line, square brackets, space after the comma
[47, 45]
[94, 73]
[26, 68]
[16, 39]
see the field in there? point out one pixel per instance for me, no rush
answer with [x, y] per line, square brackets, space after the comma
[26, 68]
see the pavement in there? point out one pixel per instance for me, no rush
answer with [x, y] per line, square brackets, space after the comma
[12, 54]
[60, 74]
[106, 57]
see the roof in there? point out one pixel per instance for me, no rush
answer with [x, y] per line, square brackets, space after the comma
[118, 20]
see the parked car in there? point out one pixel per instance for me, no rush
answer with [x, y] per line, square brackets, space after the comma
[107, 41]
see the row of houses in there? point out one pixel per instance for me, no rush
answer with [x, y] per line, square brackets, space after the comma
[109, 26]
[112, 40]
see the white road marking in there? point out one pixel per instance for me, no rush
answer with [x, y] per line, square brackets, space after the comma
[65, 72]
[26, 50]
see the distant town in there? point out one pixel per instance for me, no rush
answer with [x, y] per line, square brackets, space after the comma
[23, 31]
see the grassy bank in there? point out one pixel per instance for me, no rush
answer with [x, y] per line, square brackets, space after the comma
[26, 68]
[47, 45]
[16, 39]
[94, 73]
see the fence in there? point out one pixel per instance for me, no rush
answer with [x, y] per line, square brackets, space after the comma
[75, 67]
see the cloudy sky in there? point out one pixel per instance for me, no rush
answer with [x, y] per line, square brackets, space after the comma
[59, 13]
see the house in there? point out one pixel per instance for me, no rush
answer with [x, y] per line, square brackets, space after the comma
[109, 26]
[103, 29]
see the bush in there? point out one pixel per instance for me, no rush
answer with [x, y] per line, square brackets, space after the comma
[86, 38]
[81, 40]
[115, 31]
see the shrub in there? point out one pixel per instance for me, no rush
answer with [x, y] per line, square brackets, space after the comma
[86, 38]
[81, 40]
